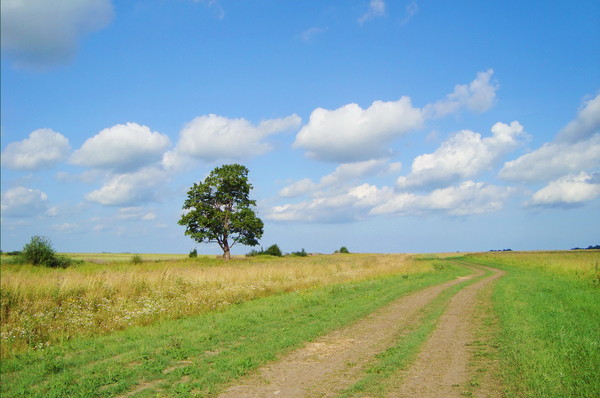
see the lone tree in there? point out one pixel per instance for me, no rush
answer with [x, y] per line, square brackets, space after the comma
[220, 210]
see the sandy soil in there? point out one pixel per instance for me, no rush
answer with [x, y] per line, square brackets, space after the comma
[324, 367]
[441, 368]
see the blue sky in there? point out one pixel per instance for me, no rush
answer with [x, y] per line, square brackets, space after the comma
[383, 126]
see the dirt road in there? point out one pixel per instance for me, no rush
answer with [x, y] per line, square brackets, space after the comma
[323, 368]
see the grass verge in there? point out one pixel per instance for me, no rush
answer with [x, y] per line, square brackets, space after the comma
[549, 327]
[196, 355]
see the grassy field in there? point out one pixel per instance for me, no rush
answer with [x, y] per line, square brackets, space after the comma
[196, 354]
[548, 311]
[174, 326]
[42, 306]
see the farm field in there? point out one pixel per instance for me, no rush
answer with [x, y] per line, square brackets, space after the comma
[504, 324]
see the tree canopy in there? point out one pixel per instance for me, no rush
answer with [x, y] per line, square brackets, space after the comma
[220, 210]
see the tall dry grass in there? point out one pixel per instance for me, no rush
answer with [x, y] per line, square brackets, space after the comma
[41, 306]
[580, 264]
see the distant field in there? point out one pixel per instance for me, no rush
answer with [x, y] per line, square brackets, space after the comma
[123, 257]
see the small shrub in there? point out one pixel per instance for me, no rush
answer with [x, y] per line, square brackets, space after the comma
[194, 253]
[344, 250]
[39, 251]
[255, 252]
[301, 253]
[274, 250]
[136, 259]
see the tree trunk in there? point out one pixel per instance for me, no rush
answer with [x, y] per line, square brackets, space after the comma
[226, 250]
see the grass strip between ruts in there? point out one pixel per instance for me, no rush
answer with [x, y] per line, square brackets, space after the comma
[411, 339]
[197, 355]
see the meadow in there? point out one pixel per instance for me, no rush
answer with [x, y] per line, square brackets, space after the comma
[42, 306]
[174, 326]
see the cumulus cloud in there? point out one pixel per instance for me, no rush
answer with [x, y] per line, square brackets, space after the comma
[123, 147]
[477, 96]
[575, 149]
[351, 133]
[42, 149]
[24, 202]
[553, 160]
[570, 190]
[467, 198]
[212, 137]
[351, 205]
[130, 189]
[464, 155]
[361, 201]
[376, 9]
[344, 174]
[40, 33]
[585, 125]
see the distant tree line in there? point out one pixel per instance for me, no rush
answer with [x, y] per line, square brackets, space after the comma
[502, 250]
[597, 247]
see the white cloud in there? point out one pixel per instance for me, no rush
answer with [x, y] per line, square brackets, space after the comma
[130, 189]
[576, 149]
[376, 9]
[343, 175]
[309, 34]
[465, 199]
[553, 160]
[42, 149]
[568, 191]
[135, 213]
[351, 205]
[351, 133]
[214, 137]
[361, 201]
[477, 96]
[23, 202]
[123, 147]
[465, 155]
[41, 33]
[585, 125]
[411, 11]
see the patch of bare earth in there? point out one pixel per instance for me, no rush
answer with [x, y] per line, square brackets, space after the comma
[324, 367]
[442, 366]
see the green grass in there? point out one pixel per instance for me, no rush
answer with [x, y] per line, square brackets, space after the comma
[549, 337]
[197, 355]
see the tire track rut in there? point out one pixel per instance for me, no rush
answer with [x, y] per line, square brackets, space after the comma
[326, 366]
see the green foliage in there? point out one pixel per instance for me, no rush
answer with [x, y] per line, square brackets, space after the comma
[301, 253]
[193, 253]
[220, 210]
[136, 259]
[273, 250]
[39, 251]
[343, 250]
